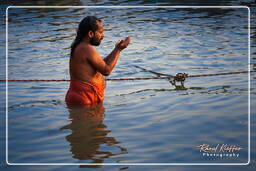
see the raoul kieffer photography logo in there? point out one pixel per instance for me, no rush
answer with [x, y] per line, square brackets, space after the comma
[219, 150]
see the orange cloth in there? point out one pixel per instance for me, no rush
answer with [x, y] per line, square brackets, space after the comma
[83, 93]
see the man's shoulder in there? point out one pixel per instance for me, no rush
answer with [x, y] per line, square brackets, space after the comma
[86, 48]
[85, 51]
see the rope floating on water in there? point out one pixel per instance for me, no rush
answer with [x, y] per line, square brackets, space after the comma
[177, 77]
[200, 75]
[66, 80]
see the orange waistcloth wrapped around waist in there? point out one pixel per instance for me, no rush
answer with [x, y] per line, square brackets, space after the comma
[83, 93]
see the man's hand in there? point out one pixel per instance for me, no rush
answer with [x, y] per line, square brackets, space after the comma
[122, 44]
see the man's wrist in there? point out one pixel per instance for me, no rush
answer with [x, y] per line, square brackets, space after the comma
[117, 49]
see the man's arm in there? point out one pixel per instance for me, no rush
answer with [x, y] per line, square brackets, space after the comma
[107, 65]
[111, 59]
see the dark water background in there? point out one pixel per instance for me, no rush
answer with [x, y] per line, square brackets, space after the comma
[141, 121]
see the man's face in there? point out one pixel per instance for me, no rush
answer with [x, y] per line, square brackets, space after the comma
[98, 35]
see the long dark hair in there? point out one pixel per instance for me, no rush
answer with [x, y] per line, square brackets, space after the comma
[89, 23]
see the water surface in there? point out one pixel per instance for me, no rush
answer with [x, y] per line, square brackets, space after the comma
[147, 121]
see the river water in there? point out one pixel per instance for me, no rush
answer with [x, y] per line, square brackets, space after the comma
[143, 121]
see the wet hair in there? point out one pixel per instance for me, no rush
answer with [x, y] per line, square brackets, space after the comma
[89, 23]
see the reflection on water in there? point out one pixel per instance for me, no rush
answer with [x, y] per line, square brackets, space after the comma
[89, 134]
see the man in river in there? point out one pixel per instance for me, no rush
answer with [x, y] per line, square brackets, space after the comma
[86, 67]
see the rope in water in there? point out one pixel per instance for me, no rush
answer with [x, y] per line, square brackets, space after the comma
[165, 76]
